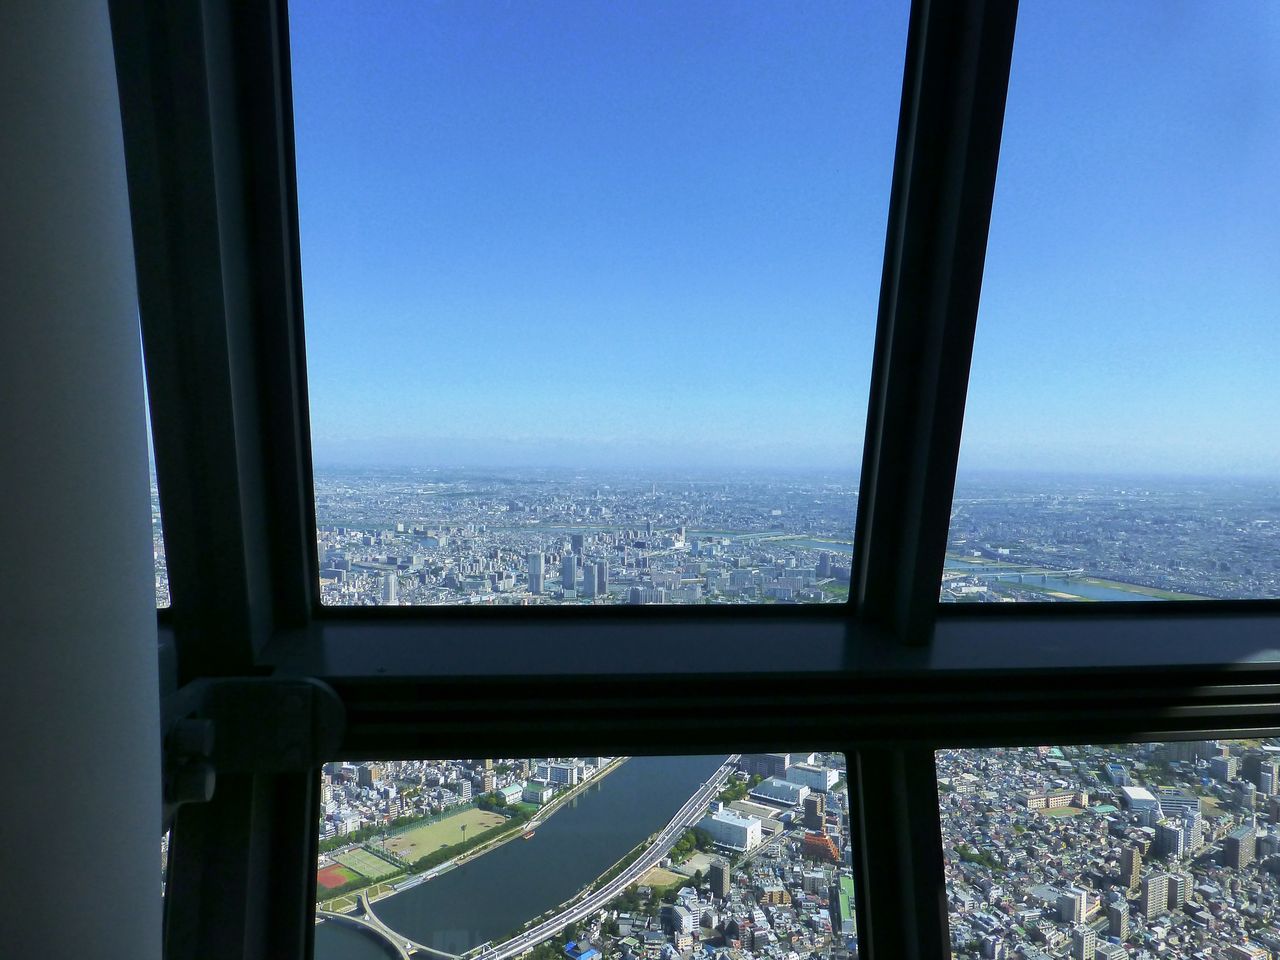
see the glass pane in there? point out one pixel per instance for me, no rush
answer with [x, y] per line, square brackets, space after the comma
[590, 294]
[1112, 851]
[1121, 440]
[157, 529]
[586, 857]
[157, 545]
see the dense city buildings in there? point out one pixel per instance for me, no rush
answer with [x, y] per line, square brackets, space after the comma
[157, 548]
[729, 876]
[440, 537]
[465, 538]
[1176, 863]
[416, 537]
[1069, 538]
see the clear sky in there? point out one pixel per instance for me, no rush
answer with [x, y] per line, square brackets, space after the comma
[651, 234]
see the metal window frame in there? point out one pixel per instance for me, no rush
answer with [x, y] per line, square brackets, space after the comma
[207, 114]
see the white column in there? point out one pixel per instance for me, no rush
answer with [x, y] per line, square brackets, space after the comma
[80, 804]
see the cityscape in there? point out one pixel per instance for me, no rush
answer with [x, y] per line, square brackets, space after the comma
[421, 537]
[1136, 852]
[592, 857]
[438, 537]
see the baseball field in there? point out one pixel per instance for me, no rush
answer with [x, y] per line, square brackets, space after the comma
[334, 876]
[417, 842]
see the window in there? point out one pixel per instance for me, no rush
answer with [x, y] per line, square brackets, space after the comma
[1103, 849]
[590, 294]
[587, 857]
[157, 537]
[292, 683]
[1120, 438]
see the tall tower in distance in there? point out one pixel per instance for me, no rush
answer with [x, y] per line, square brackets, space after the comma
[569, 571]
[389, 585]
[537, 572]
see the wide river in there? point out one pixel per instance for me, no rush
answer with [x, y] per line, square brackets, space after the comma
[495, 893]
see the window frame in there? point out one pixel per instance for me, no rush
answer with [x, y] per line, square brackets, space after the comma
[207, 115]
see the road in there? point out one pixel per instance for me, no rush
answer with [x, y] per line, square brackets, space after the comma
[690, 813]
[374, 922]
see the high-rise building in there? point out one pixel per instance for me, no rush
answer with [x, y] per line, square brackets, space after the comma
[1072, 904]
[1240, 847]
[389, 584]
[718, 875]
[1192, 833]
[576, 541]
[1083, 942]
[1155, 894]
[1170, 839]
[1224, 768]
[537, 572]
[815, 809]
[1269, 778]
[1118, 919]
[1246, 795]
[1179, 889]
[1130, 867]
[588, 580]
[765, 764]
[569, 572]
[602, 577]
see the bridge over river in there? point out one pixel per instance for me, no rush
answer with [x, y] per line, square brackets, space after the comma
[1020, 574]
[364, 918]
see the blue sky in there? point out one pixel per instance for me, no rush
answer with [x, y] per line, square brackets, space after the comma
[593, 234]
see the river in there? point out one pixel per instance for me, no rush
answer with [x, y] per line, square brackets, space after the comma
[494, 894]
[1074, 587]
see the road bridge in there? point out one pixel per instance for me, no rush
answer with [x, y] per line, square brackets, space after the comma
[411, 946]
[359, 922]
[1015, 574]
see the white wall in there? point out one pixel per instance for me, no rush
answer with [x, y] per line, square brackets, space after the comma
[79, 807]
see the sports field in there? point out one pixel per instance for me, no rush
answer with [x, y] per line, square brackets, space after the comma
[658, 877]
[1061, 811]
[365, 863]
[333, 876]
[419, 841]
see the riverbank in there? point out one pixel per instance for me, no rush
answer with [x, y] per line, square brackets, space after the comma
[1060, 583]
[540, 817]
[1155, 593]
[392, 886]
